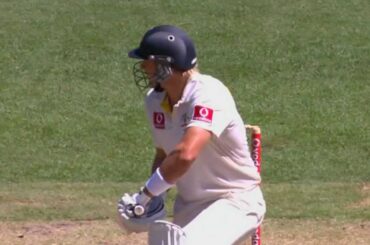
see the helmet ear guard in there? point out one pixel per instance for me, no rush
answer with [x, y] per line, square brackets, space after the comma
[164, 71]
[163, 67]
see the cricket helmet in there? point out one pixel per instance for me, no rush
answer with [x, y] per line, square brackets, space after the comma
[168, 44]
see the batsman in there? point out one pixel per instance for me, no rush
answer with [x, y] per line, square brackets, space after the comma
[201, 149]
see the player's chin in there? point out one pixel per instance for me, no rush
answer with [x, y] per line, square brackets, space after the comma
[152, 83]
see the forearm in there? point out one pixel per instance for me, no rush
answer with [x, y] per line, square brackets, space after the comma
[156, 177]
[182, 157]
[178, 162]
[156, 164]
[171, 169]
[175, 165]
[159, 157]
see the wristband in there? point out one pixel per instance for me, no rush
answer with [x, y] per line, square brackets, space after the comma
[156, 184]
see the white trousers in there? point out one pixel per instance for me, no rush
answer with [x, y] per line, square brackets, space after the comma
[227, 221]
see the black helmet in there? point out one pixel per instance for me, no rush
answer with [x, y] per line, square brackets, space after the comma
[168, 44]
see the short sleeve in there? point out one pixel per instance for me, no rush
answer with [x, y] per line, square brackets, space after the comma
[211, 113]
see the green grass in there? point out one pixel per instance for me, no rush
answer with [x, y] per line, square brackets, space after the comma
[93, 201]
[70, 112]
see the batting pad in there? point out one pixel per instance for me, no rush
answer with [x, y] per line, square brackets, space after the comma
[162, 232]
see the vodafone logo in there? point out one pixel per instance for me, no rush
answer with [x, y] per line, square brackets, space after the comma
[158, 120]
[202, 113]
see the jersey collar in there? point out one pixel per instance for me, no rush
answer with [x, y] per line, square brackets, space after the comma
[188, 90]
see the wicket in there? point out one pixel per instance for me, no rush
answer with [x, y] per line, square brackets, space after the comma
[256, 150]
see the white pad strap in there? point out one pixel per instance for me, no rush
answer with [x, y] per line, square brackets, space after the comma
[162, 232]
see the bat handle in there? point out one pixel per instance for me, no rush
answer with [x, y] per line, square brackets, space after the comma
[139, 210]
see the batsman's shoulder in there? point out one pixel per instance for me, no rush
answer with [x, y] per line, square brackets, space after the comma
[210, 89]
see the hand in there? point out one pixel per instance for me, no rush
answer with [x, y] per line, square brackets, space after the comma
[133, 205]
[130, 222]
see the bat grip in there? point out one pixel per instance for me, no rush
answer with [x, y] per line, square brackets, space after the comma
[139, 210]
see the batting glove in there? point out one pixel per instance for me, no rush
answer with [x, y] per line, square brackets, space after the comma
[131, 222]
[133, 205]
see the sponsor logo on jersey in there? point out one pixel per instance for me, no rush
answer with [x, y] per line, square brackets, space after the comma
[203, 114]
[158, 120]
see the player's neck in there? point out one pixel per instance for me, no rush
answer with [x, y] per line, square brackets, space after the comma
[175, 92]
[175, 88]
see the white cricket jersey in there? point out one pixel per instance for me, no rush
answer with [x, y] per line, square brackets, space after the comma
[224, 165]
